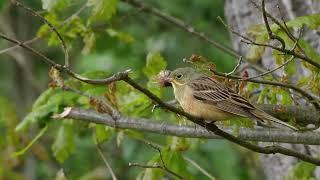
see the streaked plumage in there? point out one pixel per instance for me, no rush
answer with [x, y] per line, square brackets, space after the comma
[211, 100]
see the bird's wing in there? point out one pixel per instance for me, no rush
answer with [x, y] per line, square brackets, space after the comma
[213, 92]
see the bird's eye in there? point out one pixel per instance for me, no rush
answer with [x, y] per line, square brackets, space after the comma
[179, 76]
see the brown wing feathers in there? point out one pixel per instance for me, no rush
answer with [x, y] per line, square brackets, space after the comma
[213, 92]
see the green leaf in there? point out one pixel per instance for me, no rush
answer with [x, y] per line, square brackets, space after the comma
[125, 37]
[43, 98]
[285, 97]
[46, 105]
[41, 113]
[64, 143]
[179, 144]
[312, 21]
[103, 10]
[301, 171]
[155, 63]
[103, 133]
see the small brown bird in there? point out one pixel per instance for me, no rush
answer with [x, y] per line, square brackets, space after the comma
[211, 100]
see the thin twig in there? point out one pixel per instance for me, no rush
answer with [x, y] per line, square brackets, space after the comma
[162, 166]
[236, 67]
[67, 20]
[282, 65]
[105, 161]
[196, 165]
[289, 34]
[51, 26]
[192, 162]
[270, 71]
[270, 33]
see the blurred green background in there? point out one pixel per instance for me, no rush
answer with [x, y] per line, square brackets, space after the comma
[121, 43]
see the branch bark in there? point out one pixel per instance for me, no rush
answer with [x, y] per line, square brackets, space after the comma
[164, 128]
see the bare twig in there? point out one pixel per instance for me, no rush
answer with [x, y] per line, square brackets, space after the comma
[270, 33]
[282, 65]
[37, 38]
[105, 161]
[191, 161]
[196, 165]
[51, 26]
[162, 166]
[236, 67]
[270, 71]
[289, 34]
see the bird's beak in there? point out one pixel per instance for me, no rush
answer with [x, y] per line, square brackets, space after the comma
[164, 78]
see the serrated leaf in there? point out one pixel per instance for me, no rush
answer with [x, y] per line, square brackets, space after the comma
[154, 64]
[64, 143]
[103, 10]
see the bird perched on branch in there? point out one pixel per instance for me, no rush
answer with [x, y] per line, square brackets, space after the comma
[206, 98]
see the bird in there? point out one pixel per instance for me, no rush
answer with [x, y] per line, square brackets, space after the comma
[204, 97]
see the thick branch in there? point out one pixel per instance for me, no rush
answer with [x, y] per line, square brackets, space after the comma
[262, 135]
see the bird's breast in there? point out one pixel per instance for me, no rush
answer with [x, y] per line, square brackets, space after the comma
[201, 109]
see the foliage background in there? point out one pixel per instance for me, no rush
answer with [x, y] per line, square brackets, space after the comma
[108, 36]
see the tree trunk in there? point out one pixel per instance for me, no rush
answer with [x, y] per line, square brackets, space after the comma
[242, 14]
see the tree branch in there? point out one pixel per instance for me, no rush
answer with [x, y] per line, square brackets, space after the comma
[209, 126]
[163, 128]
[99, 149]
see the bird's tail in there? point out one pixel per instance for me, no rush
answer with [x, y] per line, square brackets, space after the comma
[267, 120]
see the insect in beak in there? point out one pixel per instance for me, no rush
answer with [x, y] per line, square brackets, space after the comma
[164, 78]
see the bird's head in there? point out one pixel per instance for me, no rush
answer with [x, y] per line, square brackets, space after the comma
[178, 77]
